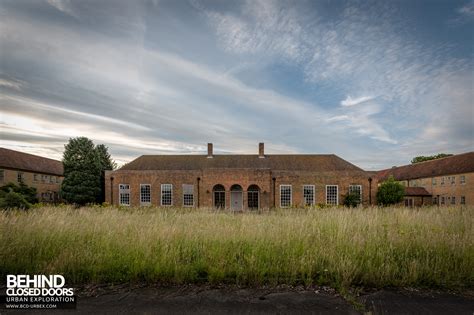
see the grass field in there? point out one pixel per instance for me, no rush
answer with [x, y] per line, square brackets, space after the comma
[373, 247]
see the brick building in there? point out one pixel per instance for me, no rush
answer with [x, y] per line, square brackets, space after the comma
[446, 181]
[42, 173]
[237, 182]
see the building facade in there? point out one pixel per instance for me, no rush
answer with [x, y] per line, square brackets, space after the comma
[236, 182]
[448, 181]
[44, 174]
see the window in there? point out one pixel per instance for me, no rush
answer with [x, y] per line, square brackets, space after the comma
[252, 196]
[442, 201]
[332, 196]
[308, 195]
[462, 179]
[52, 179]
[357, 189]
[285, 196]
[188, 195]
[166, 194]
[453, 200]
[2, 175]
[57, 180]
[463, 200]
[145, 194]
[453, 180]
[20, 177]
[435, 200]
[219, 196]
[124, 195]
[35, 177]
[442, 181]
[433, 181]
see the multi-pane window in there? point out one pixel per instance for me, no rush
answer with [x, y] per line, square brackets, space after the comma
[35, 177]
[435, 200]
[308, 195]
[463, 200]
[2, 175]
[453, 180]
[442, 200]
[442, 180]
[357, 190]
[166, 194]
[145, 194]
[20, 177]
[453, 200]
[252, 197]
[285, 196]
[332, 197]
[462, 179]
[188, 195]
[433, 181]
[124, 194]
[219, 199]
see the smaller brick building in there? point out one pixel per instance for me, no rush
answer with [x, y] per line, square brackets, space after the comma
[237, 182]
[445, 181]
[44, 174]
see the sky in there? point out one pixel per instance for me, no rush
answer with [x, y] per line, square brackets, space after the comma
[375, 82]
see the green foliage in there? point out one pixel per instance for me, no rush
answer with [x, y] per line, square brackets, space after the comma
[352, 200]
[106, 164]
[390, 192]
[82, 171]
[29, 193]
[421, 158]
[84, 166]
[13, 200]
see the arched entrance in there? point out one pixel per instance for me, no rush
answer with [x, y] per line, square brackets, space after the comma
[218, 193]
[253, 197]
[236, 198]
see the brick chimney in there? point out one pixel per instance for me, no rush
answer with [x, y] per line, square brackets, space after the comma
[261, 150]
[209, 151]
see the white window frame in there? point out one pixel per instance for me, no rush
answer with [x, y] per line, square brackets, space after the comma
[161, 195]
[145, 203]
[291, 196]
[120, 194]
[360, 191]
[184, 199]
[337, 195]
[313, 188]
[462, 179]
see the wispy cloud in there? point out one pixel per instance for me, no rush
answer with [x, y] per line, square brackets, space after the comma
[349, 101]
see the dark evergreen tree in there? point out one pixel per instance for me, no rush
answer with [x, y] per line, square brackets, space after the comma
[82, 171]
[390, 192]
[29, 193]
[13, 200]
[106, 164]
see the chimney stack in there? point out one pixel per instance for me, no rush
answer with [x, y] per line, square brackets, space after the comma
[209, 150]
[261, 150]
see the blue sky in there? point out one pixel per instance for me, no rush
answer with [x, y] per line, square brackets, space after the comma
[374, 82]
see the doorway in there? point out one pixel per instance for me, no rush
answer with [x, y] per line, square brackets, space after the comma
[236, 198]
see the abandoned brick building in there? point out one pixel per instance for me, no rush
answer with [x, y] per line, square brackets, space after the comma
[237, 182]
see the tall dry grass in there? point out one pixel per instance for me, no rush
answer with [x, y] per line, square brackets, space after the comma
[335, 246]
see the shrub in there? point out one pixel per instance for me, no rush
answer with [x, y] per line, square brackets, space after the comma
[390, 192]
[29, 193]
[352, 200]
[13, 200]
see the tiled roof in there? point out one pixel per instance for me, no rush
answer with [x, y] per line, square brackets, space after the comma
[300, 162]
[416, 191]
[456, 164]
[28, 162]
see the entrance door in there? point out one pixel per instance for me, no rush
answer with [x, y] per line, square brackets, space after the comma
[236, 198]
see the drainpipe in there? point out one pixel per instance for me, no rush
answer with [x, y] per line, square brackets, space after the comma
[111, 190]
[199, 178]
[370, 190]
[274, 197]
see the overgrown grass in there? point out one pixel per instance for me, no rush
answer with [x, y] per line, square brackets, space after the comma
[373, 247]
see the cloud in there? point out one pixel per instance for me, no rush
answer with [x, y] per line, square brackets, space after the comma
[349, 101]
[467, 10]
